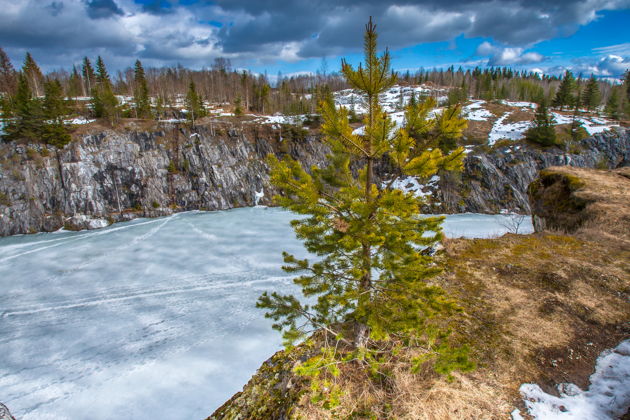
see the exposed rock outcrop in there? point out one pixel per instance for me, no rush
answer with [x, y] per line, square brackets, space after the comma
[119, 175]
[109, 176]
[498, 179]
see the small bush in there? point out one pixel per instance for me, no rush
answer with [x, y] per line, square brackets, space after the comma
[155, 205]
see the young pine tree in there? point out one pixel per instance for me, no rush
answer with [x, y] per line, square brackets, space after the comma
[591, 97]
[543, 131]
[368, 288]
[564, 95]
[141, 92]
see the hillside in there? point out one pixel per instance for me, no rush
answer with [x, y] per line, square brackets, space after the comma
[538, 309]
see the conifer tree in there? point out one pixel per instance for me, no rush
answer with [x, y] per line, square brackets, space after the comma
[542, 131]
[564, 96]
[89, 77]
[238, 110]
[368, 289]
[104, 102]
[591, 96]
[54, 131]
[33, 74]
[74, 84]
[141, 92]
[8, 77]
[613, 104]
[194, 104]
[26, 113]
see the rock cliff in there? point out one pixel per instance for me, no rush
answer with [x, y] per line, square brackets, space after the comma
[114, 175]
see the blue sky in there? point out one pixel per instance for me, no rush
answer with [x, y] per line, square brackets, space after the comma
[588, 36]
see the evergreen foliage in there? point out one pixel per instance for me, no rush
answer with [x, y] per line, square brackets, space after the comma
[141, 92]
[592, 97]
[75, 87]
[53, 130]
[368, 289]
[613, 105]
[565, 94]
[8, 77]
[89, 77]
[33, 74]
[542, 131]
[194, 104]
[26, 113]
[104, 102]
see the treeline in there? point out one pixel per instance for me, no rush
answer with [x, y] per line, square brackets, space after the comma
[89, 91]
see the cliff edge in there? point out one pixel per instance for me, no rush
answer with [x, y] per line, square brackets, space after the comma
[538, 308]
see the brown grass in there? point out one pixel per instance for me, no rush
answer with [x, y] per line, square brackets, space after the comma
[538, 308]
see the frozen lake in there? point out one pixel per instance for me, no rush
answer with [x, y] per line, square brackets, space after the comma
[149, 319]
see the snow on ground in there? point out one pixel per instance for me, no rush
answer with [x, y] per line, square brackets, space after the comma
[520, 104]
[79, 121]
[392, 100]
[476, 112]
[607, 397]
[280, 119]
[148, 319]
[511, 131]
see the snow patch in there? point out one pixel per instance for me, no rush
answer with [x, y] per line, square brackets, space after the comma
[608, 396]
[511, 131]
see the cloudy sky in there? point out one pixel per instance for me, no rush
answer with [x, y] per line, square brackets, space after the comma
[589, 36]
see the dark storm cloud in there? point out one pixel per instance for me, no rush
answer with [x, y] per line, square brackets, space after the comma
[101, 9]
[194, 33]
[329, 26]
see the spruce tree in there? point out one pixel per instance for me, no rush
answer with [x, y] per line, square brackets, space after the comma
[542, 132]
[613, 104]
[194, 104]
[8, 76]
[141, 92]
[33, 74]
[104, 102]
[75, 88]
[26, 112]
[89, 77]
[368, 290]
[591, 96]
[54, 131]
[564, 96]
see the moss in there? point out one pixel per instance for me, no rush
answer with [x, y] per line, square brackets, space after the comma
[4, 200]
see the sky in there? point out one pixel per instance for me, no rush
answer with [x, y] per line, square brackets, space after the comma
[296, 36]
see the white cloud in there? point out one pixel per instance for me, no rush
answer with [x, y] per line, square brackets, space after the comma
[507, 56]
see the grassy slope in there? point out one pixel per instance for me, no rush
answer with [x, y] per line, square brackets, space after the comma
[538, 308]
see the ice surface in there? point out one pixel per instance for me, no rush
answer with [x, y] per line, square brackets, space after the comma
[148, 319]
[607, 397]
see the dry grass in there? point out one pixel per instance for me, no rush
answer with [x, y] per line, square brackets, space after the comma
[538, 308]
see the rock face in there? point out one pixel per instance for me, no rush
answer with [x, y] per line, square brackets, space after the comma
[114, 176]
[498, 179]
[4, 413]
